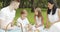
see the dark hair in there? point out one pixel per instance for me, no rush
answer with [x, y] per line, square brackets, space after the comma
[53, 9]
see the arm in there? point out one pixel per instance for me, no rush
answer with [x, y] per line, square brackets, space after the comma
[35, 20]
[47, 22]
[59, 14]
[21, 27]
[12, 23]
[28, 26]
[18, 23]
[0, 23]
[42, 21]
[2, 18]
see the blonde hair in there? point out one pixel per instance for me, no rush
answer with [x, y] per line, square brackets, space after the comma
[23, 11]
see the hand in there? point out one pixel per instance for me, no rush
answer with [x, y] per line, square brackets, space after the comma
[13, 27]
[47, 26]
[36, 26]
[36, 30]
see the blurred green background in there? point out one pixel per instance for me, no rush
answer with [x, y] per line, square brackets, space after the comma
[29, 3]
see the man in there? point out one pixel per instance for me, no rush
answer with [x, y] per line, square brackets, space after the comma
[7, 14]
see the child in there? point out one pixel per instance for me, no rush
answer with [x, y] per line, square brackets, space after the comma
[39, 23]
[23, 21]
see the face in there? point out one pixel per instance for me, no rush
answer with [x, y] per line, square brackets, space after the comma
[50, 6]
[24, 15]
[16, 5]
[36, 13]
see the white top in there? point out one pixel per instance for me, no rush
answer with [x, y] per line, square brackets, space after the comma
[7, 16]
[38, 20]
[53, 18]
[24, 23]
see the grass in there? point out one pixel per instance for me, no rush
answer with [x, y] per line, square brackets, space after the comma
[30, 15]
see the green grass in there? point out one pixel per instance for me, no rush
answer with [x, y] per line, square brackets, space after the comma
[30, 15]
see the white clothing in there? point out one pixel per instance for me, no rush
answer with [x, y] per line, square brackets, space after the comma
[24, 23]
[53, 18]
[39, 22]
[6, 16]
[55, 27]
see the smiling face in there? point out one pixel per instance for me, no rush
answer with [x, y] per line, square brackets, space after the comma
[24, 14]
[36, 12]
[15, 4]
[50, 6]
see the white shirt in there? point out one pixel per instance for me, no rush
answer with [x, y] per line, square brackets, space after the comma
[24, 23]
[7, 16]
[53, 18]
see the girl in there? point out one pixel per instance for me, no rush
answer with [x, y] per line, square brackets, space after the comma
[23, 21]
[39, 23]
[53, 16]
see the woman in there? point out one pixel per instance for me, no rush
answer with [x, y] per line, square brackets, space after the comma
[7, 15]
[53, 16]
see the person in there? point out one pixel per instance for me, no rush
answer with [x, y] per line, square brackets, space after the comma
[23, 22]
[39, 23]
[53, 16]
[7, 15]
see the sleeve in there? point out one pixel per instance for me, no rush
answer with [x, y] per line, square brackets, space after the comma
[14, 13]
[18, 22]
[2, 15]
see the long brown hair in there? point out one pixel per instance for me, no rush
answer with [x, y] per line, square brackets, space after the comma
[39, 15]
[39, 12]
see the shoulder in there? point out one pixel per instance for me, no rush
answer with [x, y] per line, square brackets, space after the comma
[58, 9]
[19, 19]
[26, 18]
[4, 9]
